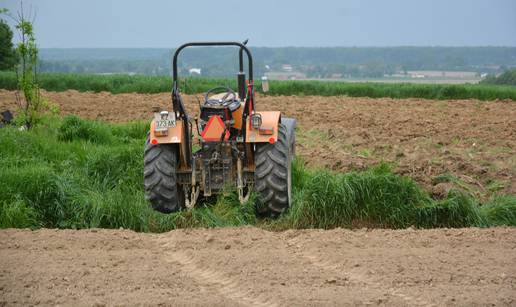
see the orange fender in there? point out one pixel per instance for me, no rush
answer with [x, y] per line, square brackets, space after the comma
[268, 132]
[174, 136]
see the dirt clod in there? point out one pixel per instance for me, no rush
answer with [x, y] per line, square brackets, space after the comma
[441, 190]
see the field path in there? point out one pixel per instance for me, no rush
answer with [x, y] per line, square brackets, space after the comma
[248, 266]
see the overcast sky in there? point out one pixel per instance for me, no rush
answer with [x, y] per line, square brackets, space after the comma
[271, 23]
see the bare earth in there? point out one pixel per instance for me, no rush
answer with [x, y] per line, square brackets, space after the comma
[250, 266]
[471, 140]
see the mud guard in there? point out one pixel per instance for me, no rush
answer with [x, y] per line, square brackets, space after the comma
[270, 121]
[175, 135]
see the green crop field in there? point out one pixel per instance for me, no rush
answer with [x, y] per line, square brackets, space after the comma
[153, 84]
[76, 173]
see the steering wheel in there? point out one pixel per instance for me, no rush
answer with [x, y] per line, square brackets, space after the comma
[229, 97]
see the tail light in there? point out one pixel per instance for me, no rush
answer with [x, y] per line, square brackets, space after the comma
[256, 121]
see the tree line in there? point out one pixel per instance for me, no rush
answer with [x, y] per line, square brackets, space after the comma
[312, 62]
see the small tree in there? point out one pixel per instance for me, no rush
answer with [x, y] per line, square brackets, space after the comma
[31, 103]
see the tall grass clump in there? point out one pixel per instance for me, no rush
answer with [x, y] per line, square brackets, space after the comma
[17, 214]
[376, 198]
[379, 198]
[82, 174]
[75, 128]
[500, 211]
[76, 173]
[457, 210]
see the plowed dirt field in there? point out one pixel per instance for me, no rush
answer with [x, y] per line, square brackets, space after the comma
[251, 267]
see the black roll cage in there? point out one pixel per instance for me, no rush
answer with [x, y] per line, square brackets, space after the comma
[177, 102]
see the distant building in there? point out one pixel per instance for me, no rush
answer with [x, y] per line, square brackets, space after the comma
[194, 71]
[286, 67]
[285, 75]
[441, 74]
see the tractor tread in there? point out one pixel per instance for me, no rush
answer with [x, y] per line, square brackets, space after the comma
[159, 174]
[272, 175]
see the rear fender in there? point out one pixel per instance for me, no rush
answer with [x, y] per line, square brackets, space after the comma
[175, 134]
[270, 120]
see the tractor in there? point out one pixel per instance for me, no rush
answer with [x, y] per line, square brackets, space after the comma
[240, 148]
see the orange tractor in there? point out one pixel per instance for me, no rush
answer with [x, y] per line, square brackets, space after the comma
[240, 147]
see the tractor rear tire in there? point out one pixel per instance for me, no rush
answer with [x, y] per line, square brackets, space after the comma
[290, 124]
[273, 175]
[160, 180]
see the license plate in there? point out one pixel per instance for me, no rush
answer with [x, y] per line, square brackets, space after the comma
[163, 124]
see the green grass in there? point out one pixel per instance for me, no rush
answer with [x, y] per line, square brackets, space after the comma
[158, 84]
[75, 173]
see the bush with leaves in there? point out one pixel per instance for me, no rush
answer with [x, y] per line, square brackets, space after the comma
[31, 105]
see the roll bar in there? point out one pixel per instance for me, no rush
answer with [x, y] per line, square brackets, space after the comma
[177, 102]
[249, 99]
[207, 44]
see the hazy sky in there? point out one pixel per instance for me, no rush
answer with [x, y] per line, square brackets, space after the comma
[162, 23]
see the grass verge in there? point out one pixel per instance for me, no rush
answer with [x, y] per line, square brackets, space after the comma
[75, 173]
[159, 84]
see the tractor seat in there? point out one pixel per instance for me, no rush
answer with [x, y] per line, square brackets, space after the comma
[216, 104]
[215, 101]
[219, 96]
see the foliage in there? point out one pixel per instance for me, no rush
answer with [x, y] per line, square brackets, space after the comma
[507, 78]
[31, 104]
[76, 173]
[8, 57]
[146, 84]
